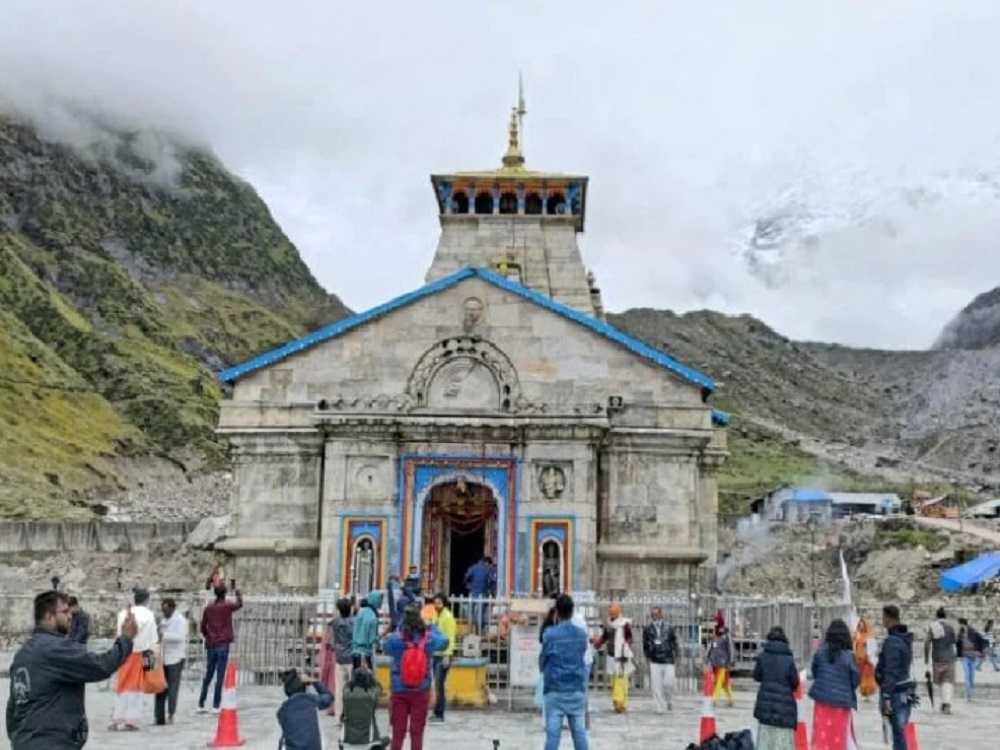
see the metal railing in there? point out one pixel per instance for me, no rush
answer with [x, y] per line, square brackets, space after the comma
[275, 633]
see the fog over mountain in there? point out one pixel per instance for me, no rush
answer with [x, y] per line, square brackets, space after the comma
[832, 169]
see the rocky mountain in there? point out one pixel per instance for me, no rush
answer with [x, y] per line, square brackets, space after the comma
[977, 326]
[841, 418]
[131, 269]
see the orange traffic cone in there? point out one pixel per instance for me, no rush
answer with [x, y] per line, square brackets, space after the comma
[227, 733]
[707, 729]
[801, 732]
[911, 736]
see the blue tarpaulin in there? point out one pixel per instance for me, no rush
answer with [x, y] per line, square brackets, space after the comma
[809, 495]
[968, 574]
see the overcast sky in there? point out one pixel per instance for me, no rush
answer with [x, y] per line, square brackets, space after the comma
[875, 125]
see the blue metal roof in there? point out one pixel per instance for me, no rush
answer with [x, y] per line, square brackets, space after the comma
[809, 495]
[355, 321]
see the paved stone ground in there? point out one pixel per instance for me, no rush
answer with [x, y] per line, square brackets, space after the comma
[973, 726]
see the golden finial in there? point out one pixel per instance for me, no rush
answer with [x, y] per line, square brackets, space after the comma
[513, 158]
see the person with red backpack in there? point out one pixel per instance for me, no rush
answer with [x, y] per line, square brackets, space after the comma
[411, 649]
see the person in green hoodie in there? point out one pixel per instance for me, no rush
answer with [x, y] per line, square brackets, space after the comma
[365, 633]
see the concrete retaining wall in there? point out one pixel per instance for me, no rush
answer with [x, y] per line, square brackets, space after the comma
[88, 536]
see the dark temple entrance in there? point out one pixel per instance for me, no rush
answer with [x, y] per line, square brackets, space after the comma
[460, 526]
[467, 548]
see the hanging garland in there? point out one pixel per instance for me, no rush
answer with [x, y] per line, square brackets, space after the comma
[467, 518]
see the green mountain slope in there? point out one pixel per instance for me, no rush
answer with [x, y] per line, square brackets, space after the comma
[121, 292]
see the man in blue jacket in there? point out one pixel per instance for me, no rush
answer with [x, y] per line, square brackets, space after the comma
[893, 673]
[365, 634]
[477, 580]
[298, 715]
[564, 677]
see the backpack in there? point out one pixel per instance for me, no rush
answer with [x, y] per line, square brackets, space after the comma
[413, 665]
[360, 701]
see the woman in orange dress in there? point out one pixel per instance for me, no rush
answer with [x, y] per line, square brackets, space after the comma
[864, 646]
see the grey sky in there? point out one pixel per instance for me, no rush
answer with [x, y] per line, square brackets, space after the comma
[880, 122]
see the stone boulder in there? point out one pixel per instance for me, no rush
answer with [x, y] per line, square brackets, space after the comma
[208, 532]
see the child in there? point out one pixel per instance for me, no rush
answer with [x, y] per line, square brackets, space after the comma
[298, 714]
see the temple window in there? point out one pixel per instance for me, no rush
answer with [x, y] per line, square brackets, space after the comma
[533, 204]
[460, 202]
[508, 203]
[484, 203]
[556, 205]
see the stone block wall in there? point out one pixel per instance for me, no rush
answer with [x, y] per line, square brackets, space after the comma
[25, 537]
[546, 249]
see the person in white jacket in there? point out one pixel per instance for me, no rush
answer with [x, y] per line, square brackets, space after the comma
[174, 633]
[130, 688]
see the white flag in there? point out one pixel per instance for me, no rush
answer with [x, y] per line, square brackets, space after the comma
[846, 578]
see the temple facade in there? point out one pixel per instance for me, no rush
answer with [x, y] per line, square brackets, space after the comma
[492, 411]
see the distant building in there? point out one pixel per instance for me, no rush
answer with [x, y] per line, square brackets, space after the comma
[790, 504]
[858, 503]
[989, 509]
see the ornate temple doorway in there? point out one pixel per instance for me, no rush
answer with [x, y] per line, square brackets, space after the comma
[460, 526]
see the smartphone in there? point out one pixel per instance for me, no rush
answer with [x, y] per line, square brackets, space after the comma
[232, 584]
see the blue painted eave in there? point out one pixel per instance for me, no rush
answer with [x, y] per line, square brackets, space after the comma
[720, 418]
[354, 321]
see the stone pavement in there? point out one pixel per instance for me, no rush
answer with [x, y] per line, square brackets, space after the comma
[973, 726]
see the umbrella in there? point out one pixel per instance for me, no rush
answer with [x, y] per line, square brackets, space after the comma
[930, 687]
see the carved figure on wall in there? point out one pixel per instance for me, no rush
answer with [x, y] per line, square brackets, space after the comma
[464, 384]
[552, 482]
[363, 565]
[551, 569]
[472, 313]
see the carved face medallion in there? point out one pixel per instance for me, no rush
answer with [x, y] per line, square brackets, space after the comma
[473, 311]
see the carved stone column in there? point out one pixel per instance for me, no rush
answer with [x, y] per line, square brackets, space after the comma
[709, 463]
[275, 507]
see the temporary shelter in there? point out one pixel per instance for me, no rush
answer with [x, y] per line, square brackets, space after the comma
[978, 570]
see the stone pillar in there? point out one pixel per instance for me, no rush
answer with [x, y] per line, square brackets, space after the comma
[520, 200]
[496, 200]
[651, 539]
[275, 508]
[709, 464]
[334, 487]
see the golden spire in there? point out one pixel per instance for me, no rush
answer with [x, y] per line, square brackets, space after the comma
[514, 158]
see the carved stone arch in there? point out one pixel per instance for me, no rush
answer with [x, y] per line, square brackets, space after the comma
[466, 359]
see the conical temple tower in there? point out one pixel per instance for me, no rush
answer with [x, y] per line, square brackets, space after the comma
[519, 222]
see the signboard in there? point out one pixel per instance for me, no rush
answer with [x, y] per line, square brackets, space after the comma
[524, 652]
[530, 606]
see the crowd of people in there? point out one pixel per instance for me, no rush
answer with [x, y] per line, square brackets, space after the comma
[48, 674]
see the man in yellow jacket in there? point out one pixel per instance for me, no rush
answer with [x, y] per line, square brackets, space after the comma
[442, 659]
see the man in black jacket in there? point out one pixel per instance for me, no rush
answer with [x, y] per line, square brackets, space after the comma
[659, 646]
[48, 676]
[893, 673]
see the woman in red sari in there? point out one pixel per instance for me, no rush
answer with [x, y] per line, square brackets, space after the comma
[834, 690]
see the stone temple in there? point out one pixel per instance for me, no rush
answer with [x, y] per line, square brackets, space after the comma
[490, 411]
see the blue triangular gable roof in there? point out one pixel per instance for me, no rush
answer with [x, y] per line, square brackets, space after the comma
[587, 321]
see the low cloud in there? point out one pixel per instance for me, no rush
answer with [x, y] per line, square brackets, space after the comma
[693, 122]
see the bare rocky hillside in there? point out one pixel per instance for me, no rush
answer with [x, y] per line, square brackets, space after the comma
[939, 407]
